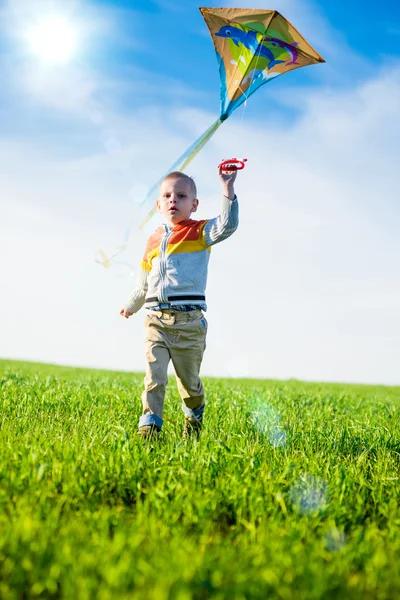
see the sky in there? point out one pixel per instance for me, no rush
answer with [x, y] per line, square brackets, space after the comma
[307, 288]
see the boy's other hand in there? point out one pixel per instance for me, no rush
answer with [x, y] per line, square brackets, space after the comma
[227, 178]
[125, 313]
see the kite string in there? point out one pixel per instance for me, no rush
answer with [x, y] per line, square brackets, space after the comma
[179, 164]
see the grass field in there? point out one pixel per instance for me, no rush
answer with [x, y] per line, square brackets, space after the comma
[292, 491]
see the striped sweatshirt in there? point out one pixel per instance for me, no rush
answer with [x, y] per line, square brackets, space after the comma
[175, 263]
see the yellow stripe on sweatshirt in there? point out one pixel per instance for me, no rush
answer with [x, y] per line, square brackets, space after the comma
[145, 266]
[195, 246]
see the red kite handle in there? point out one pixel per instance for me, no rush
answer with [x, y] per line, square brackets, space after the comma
[234, 164]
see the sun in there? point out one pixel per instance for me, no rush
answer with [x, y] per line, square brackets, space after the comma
[54, 40]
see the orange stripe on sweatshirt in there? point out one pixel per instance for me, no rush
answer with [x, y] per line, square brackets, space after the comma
[189, 231]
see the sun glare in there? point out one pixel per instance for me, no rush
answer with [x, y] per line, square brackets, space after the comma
[54, 40]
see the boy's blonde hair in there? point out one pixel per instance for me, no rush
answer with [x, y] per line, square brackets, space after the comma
[180, 175]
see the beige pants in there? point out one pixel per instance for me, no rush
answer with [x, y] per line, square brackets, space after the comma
[180, 337]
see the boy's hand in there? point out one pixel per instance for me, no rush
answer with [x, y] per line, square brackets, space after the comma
[227, 178]
[125, 313]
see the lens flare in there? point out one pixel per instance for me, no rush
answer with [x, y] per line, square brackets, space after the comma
[309, 494]
[267, 420]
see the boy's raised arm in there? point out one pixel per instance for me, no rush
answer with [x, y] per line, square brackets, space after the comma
[218, 229]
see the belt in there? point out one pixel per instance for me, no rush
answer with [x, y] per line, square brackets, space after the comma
[189, 297]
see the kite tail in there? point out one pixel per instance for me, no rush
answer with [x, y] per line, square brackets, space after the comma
[182, 163]
[179, 165]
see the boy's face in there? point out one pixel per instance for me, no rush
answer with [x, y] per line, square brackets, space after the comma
[176, 201]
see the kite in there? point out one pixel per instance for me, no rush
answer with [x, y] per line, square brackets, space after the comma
[253, 46]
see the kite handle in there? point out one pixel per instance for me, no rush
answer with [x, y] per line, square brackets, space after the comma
[234, 164]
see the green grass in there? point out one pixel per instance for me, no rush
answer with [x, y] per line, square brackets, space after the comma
[292, 491]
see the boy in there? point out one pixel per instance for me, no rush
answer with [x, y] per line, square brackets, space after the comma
[171, 285]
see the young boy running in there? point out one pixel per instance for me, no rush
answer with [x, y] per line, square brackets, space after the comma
[172, 285]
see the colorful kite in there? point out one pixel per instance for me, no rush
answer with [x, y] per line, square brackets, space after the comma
[253, 47]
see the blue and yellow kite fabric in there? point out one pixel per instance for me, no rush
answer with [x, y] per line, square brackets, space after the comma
[253, 47]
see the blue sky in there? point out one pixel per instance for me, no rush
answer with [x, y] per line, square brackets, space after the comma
[318, 246]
